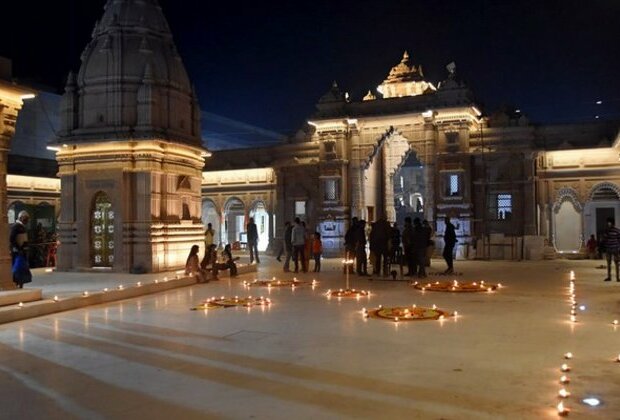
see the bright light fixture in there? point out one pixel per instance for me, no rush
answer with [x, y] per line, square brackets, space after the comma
[592, 402]
[28, 96]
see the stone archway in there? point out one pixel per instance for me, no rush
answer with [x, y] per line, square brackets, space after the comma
[380, 174]
[603, 203]
[102, 232]
[260, 213]
[567, 222]
[211, 214]
[234, 221]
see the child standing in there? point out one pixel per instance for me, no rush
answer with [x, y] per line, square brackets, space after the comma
[317, 250]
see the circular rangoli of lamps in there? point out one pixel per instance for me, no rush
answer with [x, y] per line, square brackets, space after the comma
[456, 286]
[230, 302]
[406, 313]
[347, 293]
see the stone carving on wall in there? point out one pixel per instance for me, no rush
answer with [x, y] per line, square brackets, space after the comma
[376, 148]
[599, 185]
[567, 194]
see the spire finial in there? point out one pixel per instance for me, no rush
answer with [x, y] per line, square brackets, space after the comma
[405, 56]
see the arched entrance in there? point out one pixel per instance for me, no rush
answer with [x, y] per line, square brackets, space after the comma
[211, 215]
[234, 222]
[567, 222]
[603, 203]
[409, 190]
[261, 218]
[102, 232]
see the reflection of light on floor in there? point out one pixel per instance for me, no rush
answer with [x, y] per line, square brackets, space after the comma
[591, 401]
[21, 338]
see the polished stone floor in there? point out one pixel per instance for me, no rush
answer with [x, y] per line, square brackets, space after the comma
[310, 357]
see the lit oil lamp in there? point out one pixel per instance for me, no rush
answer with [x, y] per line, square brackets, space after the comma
[563, 393]
[562, 411]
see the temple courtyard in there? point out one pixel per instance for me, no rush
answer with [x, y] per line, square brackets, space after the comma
[307, 356]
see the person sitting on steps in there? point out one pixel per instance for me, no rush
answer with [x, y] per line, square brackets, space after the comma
[228, 264]
[192, 266]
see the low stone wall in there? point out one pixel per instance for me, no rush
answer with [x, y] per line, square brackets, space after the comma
[49, 306]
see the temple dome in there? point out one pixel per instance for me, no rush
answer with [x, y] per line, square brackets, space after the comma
[132, 83]
[405, 79]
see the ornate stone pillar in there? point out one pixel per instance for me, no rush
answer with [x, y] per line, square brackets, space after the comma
[11, 99]
[355, 180]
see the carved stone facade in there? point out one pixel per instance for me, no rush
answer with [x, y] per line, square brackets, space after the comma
[129, 149]
[489, 174]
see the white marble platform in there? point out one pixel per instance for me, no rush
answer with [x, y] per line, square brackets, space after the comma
[307, 357]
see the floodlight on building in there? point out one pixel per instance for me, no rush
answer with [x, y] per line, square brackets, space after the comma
[428, 114]
[313, 124]
[53, 148]
[28, 96]
[518, 111]
[597, 117]
[206, 154]
[476, 111]
[351, 121]
[599, 102]
[380, 89]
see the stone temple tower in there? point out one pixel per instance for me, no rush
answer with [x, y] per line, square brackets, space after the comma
[129, 149]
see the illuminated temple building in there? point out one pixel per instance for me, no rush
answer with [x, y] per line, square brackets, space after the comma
[134, 192]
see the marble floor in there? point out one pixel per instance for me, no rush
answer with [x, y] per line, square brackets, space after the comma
[309, 357]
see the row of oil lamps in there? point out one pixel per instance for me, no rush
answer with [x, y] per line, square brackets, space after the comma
[565, 368]
[86, 293]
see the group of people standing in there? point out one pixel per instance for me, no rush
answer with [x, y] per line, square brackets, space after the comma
[300, 245]
[384, 243]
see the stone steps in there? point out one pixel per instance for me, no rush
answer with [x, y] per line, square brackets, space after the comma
[13, 297]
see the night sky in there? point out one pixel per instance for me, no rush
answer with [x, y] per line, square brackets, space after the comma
[267, 63]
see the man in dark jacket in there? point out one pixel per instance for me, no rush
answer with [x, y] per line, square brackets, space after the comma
[407, 239]
[420, 238]
[395, 245]
[349, 244]
[611, 243]
[288, 246]
[252, 232]
[449, 239]
[360, 248]
[379, 245]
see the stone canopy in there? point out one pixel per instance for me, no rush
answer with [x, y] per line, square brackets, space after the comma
[132, 83]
